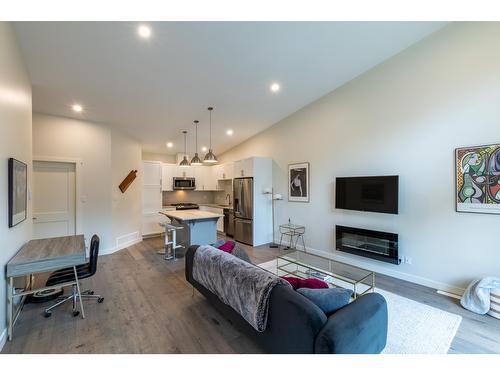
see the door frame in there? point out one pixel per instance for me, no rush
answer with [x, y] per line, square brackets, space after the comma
[78, 185]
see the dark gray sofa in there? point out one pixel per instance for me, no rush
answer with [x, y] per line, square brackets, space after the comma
[296, 325]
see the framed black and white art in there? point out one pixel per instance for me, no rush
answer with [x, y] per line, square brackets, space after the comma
[298, 182]
[18, 191]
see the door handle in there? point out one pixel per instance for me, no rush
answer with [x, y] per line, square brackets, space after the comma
[34, 218]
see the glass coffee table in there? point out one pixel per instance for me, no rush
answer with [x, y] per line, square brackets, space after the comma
[337, 274]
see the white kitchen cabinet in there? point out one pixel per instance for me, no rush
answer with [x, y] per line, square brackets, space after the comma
[151, 172]
[168, 172]
[199, 176]
[228, 171]
[220, 222]
[211, 179]
[205, 179]
[224, 171]
[243, 168]
[185, 171]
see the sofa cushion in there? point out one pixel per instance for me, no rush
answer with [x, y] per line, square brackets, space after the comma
[311, 283]
[328, 300]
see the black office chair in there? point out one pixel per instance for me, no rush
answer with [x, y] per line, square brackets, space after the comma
[84, 271]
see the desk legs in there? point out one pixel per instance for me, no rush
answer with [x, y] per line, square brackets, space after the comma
[10, 307]
[78, 290]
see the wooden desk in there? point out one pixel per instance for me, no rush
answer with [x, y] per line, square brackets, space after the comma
[39, 256]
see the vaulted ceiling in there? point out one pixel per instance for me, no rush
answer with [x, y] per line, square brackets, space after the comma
[154, 88]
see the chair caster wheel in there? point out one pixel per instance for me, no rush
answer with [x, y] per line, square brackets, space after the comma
[76, 313]
[47, 314]
[100, 300]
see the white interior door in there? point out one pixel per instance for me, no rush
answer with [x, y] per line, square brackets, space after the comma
[54, 201]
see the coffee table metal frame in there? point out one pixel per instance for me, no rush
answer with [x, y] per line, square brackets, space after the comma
[368, 279]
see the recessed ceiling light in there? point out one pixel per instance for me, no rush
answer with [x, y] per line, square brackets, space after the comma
[275, 87]
[170, 144]
[229, 132]
[144, 31]
[204, 149]
[77, 108]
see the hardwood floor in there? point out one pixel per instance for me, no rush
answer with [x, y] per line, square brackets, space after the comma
[149, 308]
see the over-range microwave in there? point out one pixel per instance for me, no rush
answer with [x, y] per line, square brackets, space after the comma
[184, 183]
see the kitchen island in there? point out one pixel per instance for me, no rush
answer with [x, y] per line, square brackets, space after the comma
[198, 227]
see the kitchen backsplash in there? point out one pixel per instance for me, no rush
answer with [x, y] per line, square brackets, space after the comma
[184, 196]
[221, 197]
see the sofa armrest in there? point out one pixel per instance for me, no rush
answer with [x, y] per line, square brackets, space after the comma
[189, 259]
[358, 328]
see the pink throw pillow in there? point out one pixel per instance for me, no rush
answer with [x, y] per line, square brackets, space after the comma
[227, 247]
[311, 283]
[294, 281]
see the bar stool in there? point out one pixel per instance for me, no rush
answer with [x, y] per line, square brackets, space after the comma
[170, 247]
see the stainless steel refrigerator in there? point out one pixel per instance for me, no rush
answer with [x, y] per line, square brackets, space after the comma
[243, 210]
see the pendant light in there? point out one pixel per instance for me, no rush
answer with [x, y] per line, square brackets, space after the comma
[184, 162]
[210, 156]
[196, 160]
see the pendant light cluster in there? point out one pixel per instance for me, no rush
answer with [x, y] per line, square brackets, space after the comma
[209, 158]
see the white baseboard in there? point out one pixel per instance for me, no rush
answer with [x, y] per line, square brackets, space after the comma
[3, 338]
[386, 271]
[122, 242]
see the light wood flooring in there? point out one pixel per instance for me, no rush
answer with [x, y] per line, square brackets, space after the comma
[149, 308]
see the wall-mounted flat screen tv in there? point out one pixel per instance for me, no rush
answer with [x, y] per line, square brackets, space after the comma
[374, 193]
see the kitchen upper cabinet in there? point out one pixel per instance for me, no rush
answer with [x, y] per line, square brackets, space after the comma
[186, 171]
[205, 178]
[228, 172]
[200, 177]
[151, 172]
[224, 171]
[211, 179]
[243, 168]
[168, 172]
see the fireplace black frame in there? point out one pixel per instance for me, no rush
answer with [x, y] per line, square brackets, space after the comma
[393, 257]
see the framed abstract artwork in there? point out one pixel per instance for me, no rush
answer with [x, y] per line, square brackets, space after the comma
[298, 182]
[477, 171]
[18, 192]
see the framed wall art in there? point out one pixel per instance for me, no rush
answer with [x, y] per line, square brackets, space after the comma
[18, 191]
[298, 182]
[478, 179]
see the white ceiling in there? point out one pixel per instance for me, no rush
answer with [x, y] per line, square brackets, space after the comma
[153, 89]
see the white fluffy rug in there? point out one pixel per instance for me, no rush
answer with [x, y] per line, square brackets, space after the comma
[414, 328]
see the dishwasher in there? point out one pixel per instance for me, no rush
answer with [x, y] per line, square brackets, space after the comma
[229, 222]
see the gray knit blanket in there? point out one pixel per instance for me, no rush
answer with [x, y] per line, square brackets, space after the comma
[239, 284]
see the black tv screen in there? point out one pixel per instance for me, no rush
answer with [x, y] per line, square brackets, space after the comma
[375, 194]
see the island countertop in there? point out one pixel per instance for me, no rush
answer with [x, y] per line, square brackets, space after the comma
[191, 215]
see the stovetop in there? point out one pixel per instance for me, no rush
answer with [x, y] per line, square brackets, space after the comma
[185, 206]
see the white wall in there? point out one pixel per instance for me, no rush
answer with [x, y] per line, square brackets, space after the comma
[15, 141]
[127, 207]
[406, 117]
[165, 158]
[107, 157]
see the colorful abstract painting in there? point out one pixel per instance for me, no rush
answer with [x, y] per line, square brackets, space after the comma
[478, 179]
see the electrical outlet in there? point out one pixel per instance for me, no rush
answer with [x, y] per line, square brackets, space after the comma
[407, 259]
